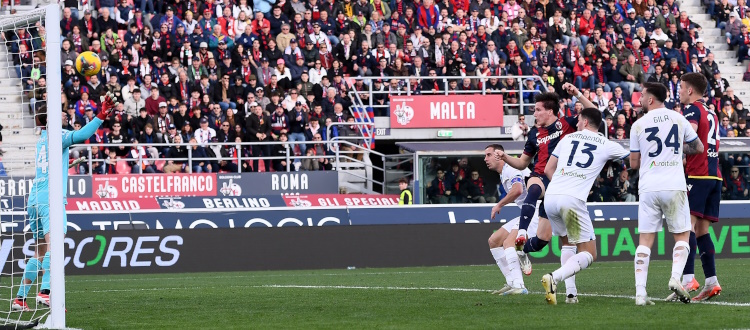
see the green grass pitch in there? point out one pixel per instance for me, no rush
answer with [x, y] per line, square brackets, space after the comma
[405, 298]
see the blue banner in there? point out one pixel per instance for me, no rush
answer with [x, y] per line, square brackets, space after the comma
[237, 214]
[208, 220]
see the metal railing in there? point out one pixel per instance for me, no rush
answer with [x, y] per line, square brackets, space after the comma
[405, 85]
[354, 162]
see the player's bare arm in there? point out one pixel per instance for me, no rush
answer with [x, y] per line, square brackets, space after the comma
[519, 163]
[635, 160]
[514, 192]
[549, 170]
[693, 147]
[572, 90]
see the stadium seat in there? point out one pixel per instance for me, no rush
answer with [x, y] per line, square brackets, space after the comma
[160, 164]
[608, 95]
[122, 167]
[73, 170]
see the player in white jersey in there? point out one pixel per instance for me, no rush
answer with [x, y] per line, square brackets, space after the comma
[656, 147]
[503, 241]
[575, 163]
[38, 203]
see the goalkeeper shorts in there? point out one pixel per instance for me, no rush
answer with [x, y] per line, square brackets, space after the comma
[39, 220]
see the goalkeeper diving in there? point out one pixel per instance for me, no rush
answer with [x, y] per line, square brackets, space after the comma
[38, 204]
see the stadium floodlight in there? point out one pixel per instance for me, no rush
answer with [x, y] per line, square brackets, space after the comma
[19, 84]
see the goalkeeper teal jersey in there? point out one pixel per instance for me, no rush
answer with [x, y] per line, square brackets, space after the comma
[39, 194]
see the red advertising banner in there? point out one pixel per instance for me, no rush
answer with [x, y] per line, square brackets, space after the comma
[132, 186]
[97, 204]
[339, 200]
[446, 111]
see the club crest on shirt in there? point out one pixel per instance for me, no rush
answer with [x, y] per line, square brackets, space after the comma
[558, 125]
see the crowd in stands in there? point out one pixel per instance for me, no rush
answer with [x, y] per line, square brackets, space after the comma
[237, 70]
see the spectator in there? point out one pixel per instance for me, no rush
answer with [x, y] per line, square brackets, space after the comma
[96, 158]
[624, 188]
[200, 162]
[116, 136]
[736, 187]
[259, 130]
[147, 139]
[310, 164]
[139, 123]
[728, 112]
[280, 150]
[475, 190]
[154, 101]
[439, 190]
[177, 155]
[204, 134]
[139, 159]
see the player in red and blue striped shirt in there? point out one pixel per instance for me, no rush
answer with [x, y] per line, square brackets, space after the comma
[704, 184]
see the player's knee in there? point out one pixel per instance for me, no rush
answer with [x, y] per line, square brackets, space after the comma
[533, 194]
[701, 227]
[495, 241]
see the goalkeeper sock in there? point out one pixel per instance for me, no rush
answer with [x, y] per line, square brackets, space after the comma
[499, 254]
[534, 244]
[689, 273]
[529, 206]
[46, 275]
[570, 282]
[642, 258]
[30, 273]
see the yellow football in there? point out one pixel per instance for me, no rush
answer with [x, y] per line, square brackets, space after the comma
[88, 64]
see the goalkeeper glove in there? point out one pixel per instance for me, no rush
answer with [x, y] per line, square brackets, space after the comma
[108, 105]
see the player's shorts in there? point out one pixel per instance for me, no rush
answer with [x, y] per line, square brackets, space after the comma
[39, 220]
[513, 225]
[569, 216]
[544, 178]
[704, 196]
[672, 204]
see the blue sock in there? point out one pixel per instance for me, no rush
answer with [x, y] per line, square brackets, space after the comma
[45, 276]
[30, 273]
[690, 264]
[706, 248]
[534, 244]
[529, 206]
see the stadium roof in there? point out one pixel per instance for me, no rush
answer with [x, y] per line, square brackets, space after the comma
[458, 147]
[516, 147]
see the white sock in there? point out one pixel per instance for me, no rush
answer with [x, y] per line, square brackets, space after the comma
[515, 277]
[687, 278]
[711, 281]
[679, 257]
[570, 282]
[574, 265]
[499, 255]
[641, 269]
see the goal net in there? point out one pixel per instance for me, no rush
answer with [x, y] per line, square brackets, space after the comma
[30, 84]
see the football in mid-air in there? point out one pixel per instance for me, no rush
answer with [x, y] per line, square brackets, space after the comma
[88, 64]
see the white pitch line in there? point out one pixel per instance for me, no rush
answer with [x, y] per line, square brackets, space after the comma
[348, 287]
[355, 273]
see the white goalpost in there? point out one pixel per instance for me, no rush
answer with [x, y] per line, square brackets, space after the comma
[22, 94]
